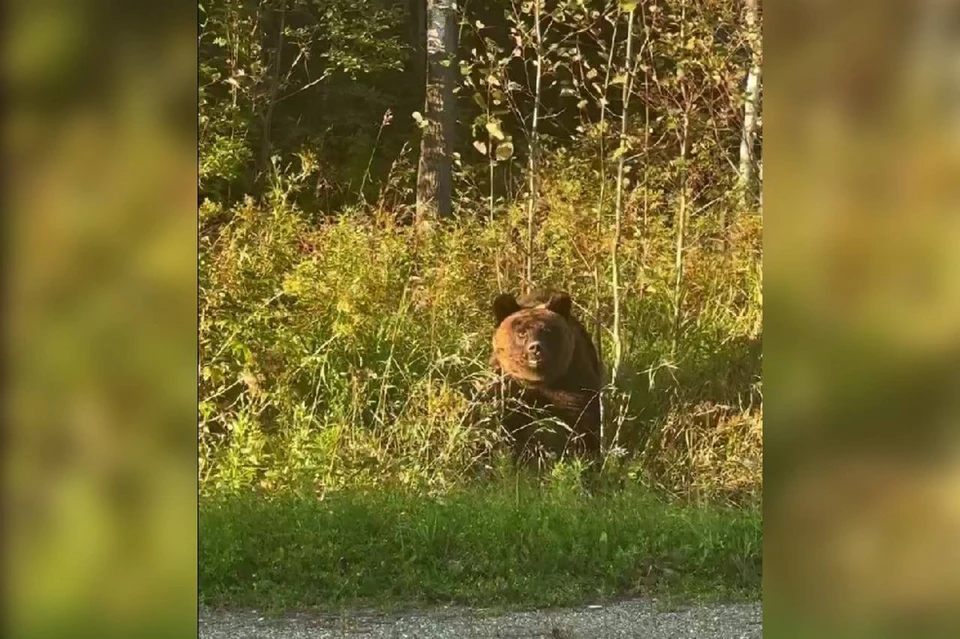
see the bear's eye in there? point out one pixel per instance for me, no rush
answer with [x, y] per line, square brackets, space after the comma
[521, 333]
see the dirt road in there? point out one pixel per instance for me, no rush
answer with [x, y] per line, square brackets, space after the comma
[633, 619]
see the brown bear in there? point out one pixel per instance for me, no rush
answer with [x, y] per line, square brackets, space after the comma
[548, 367]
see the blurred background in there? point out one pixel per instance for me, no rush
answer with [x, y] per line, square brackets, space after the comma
[101, 318]
[862, 318]
[862, 346]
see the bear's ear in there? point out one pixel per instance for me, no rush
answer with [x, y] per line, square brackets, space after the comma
[560, 304]
[504, 306]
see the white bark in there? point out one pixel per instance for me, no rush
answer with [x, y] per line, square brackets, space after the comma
[534, 150]
[681, 223]
[750, 110]
[618, 210]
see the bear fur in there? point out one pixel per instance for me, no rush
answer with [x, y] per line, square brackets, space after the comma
[548, 366]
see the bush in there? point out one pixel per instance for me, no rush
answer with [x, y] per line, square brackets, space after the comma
[345, 354]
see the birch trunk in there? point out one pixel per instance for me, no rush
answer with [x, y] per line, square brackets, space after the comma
[750, 110]
[534, 150]
[618, 209]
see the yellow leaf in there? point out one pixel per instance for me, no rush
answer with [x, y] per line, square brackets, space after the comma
[493, 128]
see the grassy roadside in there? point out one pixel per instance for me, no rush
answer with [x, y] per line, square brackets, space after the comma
[502, 545]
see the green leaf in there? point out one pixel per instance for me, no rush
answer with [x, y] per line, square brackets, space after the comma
[627, 6]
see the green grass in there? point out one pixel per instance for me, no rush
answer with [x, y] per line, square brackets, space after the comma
[343, 359]
[508, 544]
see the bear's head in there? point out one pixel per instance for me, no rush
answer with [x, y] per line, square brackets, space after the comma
[533, 343]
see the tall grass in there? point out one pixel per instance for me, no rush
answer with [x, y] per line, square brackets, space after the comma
[344, 354]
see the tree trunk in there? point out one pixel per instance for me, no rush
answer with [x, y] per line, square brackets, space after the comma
[434, 179]
[750, 110]
[598, 290]
[681, 223]
[618, 210]
[534, 149]
[266, 143]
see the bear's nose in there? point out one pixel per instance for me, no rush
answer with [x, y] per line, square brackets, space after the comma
[534, 348]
